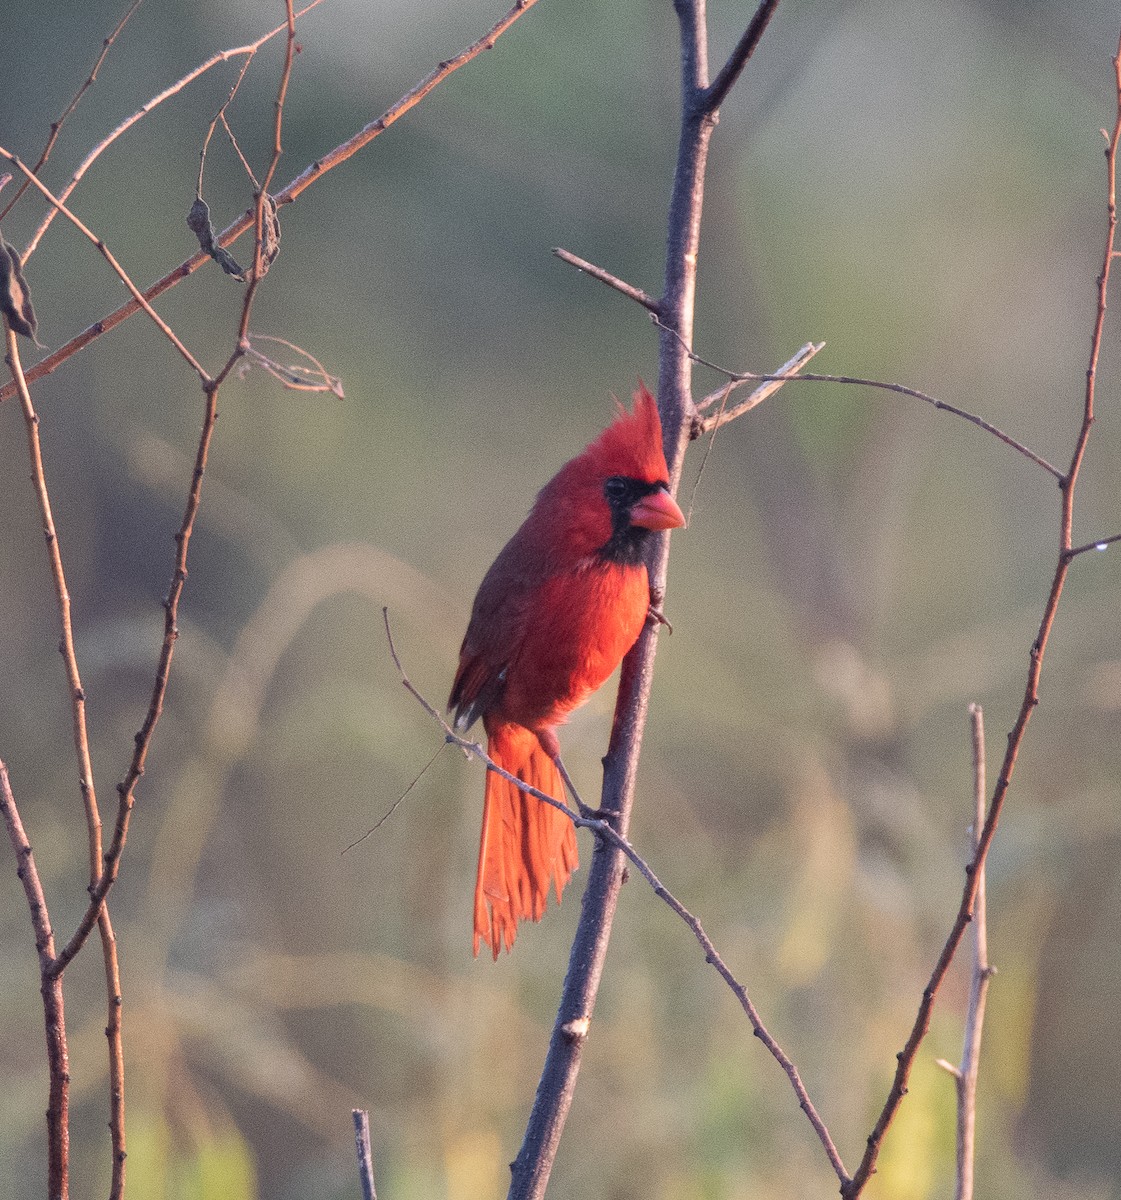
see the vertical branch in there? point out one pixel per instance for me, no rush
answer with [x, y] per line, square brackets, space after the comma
[66, 643]
[115, 1042]
[56, 125]
[1067, 553]
[979, 982]
[50, 985]
[365, 1153]
[50, 969]
[260, 265]
[965, 1074]
[533, 1165]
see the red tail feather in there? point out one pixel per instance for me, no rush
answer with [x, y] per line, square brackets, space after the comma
[526, 844]
[560, 606]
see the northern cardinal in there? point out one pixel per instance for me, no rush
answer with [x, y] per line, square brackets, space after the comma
[563, 602]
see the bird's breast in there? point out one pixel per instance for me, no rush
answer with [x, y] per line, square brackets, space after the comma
[582, 624]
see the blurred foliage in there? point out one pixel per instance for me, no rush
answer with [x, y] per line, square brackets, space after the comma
[921, 187]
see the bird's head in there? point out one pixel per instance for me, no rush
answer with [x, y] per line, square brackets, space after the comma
[611, 497]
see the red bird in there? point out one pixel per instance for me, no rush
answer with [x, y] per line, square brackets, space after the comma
[562, 603]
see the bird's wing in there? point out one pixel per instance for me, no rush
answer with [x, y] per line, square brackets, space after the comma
[499, 621]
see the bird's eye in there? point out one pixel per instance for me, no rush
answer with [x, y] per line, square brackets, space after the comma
[616, 488]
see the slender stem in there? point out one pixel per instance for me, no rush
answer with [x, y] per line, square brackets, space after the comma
[80, 732]
[126, 789]
[138, 297]
[612, 281]
[56, 126]
[286, 195]
[365, 1153]
[50, 984]
[533, 1165]
[174, 89]
[263, 198]
[966, 1077]
[906, 1057]
[737, 60]
[771, 384]
[52, 969]
[883, 385]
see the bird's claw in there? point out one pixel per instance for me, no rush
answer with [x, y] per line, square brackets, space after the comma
[598, 814]
[656, 617]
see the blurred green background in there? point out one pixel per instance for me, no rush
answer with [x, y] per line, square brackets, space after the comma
[922, 187]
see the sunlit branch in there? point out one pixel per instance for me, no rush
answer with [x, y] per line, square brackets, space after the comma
[583, 818]
[56, 126]
[286, 195]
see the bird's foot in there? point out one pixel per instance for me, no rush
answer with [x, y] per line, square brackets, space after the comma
[598, 814]
[655, 617]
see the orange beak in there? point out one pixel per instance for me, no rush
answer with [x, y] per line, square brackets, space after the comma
[657, 511]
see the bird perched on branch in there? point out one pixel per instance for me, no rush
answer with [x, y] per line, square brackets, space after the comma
[563, 602]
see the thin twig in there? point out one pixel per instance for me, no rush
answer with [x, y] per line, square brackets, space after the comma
[612, 281]
[771, 384]
[80, 735]
[263, 199]
[965, 1074]
[79, 731]
[396, 803]
[220, 116]
[286, 195]
[941, 406]
[1067, 482]
[139, 298]
[583, 818]
[1100, 544]
[113, 1031]
[365, 1153]
[214, 60]
[126, 789]
[715, 95]
[54, 1016]
[56, 126]
[882, 385]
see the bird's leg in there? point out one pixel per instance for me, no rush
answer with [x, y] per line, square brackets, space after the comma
[593, 814]
[654, 614]
[551, 746]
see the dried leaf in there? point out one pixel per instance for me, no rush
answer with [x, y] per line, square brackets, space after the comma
[198, 222]
[15, 296]
[270, 236]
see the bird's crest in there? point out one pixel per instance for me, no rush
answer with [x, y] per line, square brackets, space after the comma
[632, 444]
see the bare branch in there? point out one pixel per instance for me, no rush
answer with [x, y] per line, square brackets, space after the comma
[126, 789]
[966, 1080]
[607, 833]
[612, 281]
[771, 384]
[365, 1153]
[724, 82]
[140, 300]
[80, 733]
[286, 196]
[214, 60]
[220, 118]
[676, 312]
[52, 972]
[1067, 481]
[56, 126]
[58, 1055]
[1100, 544]
[899, 388]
